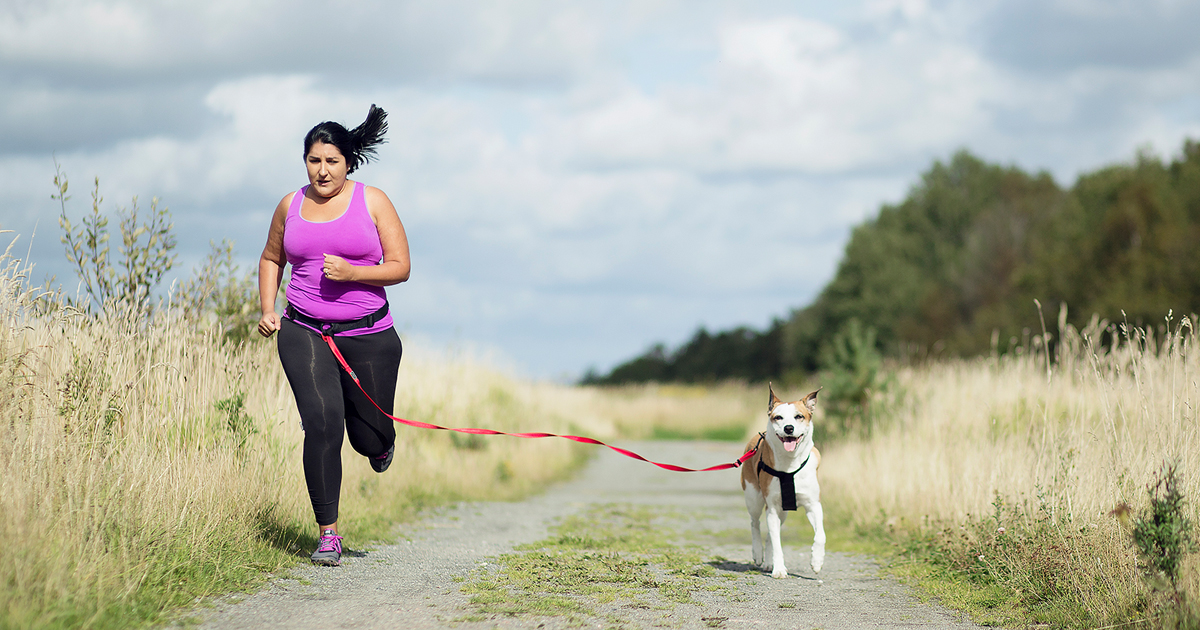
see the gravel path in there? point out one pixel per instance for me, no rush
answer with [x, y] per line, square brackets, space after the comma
[411, 584]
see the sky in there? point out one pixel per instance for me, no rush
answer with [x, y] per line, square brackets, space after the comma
[578, 180]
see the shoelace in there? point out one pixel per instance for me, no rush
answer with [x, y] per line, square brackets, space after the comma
[330, 542]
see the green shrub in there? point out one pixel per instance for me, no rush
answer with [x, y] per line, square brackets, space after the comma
[220, 294]
[1162, 534]
[147, 252]
[854, 380]
[217, 294]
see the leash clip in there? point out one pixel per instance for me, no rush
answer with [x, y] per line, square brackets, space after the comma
[338, 354]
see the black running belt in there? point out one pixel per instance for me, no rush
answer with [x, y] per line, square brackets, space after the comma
[787, 482]
[334, 328]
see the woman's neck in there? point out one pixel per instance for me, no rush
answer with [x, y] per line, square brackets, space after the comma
[319, 199]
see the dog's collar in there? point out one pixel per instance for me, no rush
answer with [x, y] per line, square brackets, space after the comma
[787, 480]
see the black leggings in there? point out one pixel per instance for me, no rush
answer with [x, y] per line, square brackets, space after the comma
[331, 404]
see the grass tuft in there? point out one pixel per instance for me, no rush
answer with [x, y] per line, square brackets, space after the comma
[610, 555]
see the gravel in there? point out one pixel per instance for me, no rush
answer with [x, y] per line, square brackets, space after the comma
[412, 583]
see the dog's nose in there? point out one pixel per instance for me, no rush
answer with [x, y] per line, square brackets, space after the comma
[789, 429]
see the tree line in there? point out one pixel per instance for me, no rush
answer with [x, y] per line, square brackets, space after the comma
[954, 270]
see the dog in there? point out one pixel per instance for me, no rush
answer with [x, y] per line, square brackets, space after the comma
[785, 457]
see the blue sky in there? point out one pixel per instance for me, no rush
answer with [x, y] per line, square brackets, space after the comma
[578, 180]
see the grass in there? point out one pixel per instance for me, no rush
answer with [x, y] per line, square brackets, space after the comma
[608, 557]
[734, 433]
[993, 481]
[996, 481]
[145, 465]
[721, 411]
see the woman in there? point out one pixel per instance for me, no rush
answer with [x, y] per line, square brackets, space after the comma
[345, 243]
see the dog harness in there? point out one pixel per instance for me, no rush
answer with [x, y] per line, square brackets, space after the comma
[787, 480]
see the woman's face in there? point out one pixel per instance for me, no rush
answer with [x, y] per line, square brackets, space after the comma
[326, 169]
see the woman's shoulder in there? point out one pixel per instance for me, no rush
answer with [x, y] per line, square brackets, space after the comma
[282, 206]
[291, 196]
[371, 192]
[377, 201]
[286, 203]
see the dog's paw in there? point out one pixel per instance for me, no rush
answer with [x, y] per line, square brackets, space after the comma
[816, 566]
[779, 573]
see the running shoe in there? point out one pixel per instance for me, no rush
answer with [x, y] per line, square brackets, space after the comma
[329, 550]
[382, 462]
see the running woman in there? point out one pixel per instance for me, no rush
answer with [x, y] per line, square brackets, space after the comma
[345, 243]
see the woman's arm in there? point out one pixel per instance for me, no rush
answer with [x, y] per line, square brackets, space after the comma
[395, 266]
[270, 270]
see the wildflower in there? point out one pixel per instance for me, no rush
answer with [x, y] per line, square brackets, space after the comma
[1124, 515]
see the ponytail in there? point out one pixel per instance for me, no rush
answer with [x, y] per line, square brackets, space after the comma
[357, 145]
[368, 135]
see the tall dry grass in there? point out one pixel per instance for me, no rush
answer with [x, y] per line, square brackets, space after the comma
[719, 411]
[146, 464]
[1013, 464]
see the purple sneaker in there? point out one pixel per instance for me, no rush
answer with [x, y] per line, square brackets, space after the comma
[329, 550]
[382, 462]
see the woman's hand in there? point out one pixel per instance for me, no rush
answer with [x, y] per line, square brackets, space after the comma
[336, 268]
[270, 269]
[268, 324]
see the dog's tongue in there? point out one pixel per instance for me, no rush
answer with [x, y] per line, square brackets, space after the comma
[790, 445]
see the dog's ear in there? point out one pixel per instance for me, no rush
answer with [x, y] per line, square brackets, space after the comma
[810, 400]
[774, 402]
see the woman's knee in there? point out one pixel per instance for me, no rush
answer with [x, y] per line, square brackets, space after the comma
[324, 429]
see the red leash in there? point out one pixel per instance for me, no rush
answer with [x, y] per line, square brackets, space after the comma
[585, 440]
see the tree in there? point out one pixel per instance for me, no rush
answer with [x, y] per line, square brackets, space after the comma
[957, 265]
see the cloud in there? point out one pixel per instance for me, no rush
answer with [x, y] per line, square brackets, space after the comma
[114, 40]
[1063, 36]
[796, 96]
[578, 180]
[84, 74]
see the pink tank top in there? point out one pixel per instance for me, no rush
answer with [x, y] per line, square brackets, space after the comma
[352, 236]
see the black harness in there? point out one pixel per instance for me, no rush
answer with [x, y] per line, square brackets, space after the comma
[335, 328]
[787, 480]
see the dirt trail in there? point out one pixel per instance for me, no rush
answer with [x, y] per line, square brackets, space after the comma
[412, 584]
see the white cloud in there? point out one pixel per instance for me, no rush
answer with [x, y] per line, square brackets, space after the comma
[578, 180]
[499, 41]
[795, 96]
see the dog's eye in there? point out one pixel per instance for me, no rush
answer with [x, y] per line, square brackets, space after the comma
[778, 418]
[799, 417]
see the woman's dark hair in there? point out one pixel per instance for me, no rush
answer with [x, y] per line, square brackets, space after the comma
[357, 145]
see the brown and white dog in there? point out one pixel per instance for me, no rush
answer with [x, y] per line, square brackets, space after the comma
[786, 464]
